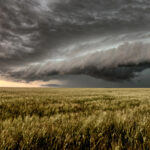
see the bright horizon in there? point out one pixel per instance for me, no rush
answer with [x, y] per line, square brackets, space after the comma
[4, 83]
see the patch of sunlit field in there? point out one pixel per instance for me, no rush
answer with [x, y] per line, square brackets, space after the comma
[74, 119]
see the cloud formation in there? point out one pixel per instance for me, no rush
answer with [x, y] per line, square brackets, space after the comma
[103, 39]
[116, 64]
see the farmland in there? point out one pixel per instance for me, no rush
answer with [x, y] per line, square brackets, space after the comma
[74, 119]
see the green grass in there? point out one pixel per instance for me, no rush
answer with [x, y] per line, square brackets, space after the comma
[73, 119]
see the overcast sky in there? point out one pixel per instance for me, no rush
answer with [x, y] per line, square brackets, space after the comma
[75, 43]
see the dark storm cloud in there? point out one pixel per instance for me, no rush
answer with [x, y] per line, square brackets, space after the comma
[117, 64]
[84, 81]
[33, 32]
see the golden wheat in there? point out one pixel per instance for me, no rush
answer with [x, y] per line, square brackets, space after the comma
[117, 119]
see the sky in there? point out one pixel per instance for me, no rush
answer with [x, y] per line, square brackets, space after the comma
[75, 43]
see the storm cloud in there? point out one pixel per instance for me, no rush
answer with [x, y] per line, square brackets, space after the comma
[119, 63]
[41, 40]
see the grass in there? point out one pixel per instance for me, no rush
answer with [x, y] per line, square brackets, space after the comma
[74, 119]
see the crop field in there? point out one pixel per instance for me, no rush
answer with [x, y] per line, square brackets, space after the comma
[74, 119]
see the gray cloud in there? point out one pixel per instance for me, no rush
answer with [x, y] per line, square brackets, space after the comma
[84, 81]
[120, 63]
[34, 33]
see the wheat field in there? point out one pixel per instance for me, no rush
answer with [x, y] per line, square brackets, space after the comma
[74, 119]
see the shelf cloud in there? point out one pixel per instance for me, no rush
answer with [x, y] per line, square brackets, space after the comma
[106, 40]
